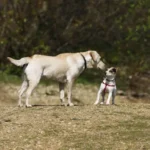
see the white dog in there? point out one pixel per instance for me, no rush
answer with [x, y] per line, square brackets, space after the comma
[64, 68]
[108, 84]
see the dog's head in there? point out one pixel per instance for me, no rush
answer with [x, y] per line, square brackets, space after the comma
[95, 61]
[111, 72]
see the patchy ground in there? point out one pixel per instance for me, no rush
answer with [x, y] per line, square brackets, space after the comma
[49, 126]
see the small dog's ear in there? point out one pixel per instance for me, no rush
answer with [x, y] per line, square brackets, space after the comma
[114, 70]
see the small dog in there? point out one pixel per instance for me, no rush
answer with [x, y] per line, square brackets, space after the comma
[108, 84]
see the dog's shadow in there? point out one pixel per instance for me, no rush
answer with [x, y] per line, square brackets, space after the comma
[77, 101]
[42, 105]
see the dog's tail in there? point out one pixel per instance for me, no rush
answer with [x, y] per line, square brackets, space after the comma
[19, 62]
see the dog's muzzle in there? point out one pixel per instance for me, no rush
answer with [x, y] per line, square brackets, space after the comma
[101, 65]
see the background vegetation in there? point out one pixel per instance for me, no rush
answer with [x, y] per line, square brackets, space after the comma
[118, 29]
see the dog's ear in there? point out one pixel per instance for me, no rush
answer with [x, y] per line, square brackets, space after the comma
[114, 70]
[93, 54]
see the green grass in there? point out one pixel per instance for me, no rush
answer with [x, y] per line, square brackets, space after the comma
[7, 78]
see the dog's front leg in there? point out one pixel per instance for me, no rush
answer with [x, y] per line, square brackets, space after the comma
[98, 97]
[62, 93]
[70, 84]
[100, 92]
[109, 98]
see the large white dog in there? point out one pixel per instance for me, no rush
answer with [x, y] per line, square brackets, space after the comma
[64, 68]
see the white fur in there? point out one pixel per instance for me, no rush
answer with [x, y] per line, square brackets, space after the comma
[64, 68]
[109, 85]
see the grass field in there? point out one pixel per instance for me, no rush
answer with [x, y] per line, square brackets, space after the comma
[50, 126]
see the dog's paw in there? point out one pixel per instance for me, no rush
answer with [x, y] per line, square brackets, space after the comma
[71, 104]
[95, 103]
[64, 104]
[28, 106]
[107, 103]
[20, 105]
[102, 103]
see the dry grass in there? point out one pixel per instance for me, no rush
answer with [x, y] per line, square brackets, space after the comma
[49, 126]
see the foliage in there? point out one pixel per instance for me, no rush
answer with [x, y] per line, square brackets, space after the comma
[119, 30]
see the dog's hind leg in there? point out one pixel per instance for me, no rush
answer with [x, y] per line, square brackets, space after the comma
[21, 91]
[113, 97]
[109, 97]
[32, 85]
[33, 74]
[103, 95]
[70, 84]
[62, 93]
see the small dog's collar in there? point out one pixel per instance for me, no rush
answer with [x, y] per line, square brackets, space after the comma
[85, 64]
[106, 86]
[109, 79]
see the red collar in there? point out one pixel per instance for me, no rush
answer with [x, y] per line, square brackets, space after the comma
[106, 86]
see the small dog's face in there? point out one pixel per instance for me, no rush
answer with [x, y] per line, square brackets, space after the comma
[111, 72]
